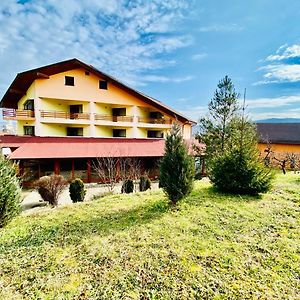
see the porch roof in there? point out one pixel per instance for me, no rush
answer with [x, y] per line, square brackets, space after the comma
[46, 147]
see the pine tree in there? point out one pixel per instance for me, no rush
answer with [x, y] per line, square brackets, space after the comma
[231, 140]
[215, 129]
[177, 167]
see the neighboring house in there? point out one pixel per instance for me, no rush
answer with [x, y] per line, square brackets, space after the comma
[282, 137]
[69, 113]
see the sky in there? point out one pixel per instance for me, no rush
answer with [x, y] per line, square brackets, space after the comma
[173, 50]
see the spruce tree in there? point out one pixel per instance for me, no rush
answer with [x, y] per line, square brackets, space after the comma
[177, 168]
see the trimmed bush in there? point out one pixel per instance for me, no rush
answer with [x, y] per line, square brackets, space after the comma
[77, 190]
[238, 173]
[177, 168]
[10, 191]
[50, 187]
[127, 186]
[145, 183]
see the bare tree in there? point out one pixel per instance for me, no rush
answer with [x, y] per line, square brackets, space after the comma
[131, 168]
[108, 170]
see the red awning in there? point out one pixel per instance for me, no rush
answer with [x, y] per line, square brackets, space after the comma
[81, 150]
[61, 147]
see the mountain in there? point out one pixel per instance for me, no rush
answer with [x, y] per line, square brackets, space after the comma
[279, 120]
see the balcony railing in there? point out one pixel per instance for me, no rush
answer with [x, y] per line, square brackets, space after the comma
[64, 115]
[155, 121]
[10, 113]
[99, 117]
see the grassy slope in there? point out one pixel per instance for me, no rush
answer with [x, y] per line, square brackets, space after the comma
[212, 246]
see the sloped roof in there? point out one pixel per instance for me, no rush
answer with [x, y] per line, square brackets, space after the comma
[23, 81]
[280, 133]
[81, 147]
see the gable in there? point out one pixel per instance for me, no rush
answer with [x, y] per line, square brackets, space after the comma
[23, 81]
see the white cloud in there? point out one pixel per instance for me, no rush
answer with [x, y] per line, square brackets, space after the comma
[124, 39]
[277, 71]
[285, 52]
[280, 73]
[157, 78]
[273, 102]
[199, 56]
[221, 28]
[195, 113]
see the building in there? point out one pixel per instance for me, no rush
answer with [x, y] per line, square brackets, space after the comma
[282, 137]
[69, 113]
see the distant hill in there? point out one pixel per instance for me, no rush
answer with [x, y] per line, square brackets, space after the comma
[279, 120]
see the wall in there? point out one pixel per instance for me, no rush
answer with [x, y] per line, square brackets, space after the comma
[280, 149]
[52, 94]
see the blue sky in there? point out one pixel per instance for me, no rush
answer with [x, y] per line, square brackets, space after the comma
[173, 50]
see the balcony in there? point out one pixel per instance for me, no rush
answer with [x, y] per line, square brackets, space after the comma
[64, 115]
[155, 121]
[109, 118]
[17, 114]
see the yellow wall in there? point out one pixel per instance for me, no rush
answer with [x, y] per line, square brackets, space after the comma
[52, 94]
[60, 129]
[30, 94]
[20, 124]
[280, 148]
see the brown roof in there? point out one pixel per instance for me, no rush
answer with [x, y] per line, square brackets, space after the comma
[81, 147]
[23, 81]
[279, 133]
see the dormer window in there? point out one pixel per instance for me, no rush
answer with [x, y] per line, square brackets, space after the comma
[103, 85]
[29, 105]
[69, 80]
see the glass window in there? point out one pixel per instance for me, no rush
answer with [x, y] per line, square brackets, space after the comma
[69, 80]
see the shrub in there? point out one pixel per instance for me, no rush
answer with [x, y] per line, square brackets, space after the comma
[77, 190]
[10, 191]
[177, 167]
[50, 187]
[145, 183]
[127, 186]
[238, 173]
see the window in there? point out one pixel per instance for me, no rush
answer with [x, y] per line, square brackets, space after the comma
[28, 130]
[155, 134]
[156, 115]
[119, 132]
[87, 73]
[29, 104]
[119, 112]
[69, 80]
[103, 85]
[74, 131]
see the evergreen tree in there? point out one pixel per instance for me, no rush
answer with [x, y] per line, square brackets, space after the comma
[10, 191]
[231, 140]
[177, 167]
[215, 129]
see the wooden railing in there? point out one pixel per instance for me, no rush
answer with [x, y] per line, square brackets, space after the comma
[64, 115]
[10, 113]
[99, 117]
[154, 121]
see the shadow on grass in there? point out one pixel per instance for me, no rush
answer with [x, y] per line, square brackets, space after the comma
[72, 231]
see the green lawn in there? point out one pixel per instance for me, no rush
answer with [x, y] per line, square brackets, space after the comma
[212, 246]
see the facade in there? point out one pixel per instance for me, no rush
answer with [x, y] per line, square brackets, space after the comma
[282, 137]
[71, 103]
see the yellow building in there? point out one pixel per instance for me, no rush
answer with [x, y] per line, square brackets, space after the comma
[71, 98]
[68, 114]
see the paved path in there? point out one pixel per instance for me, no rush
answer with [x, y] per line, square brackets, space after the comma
[33, 201]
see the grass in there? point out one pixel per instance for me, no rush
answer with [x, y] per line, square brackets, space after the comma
[212, 246]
